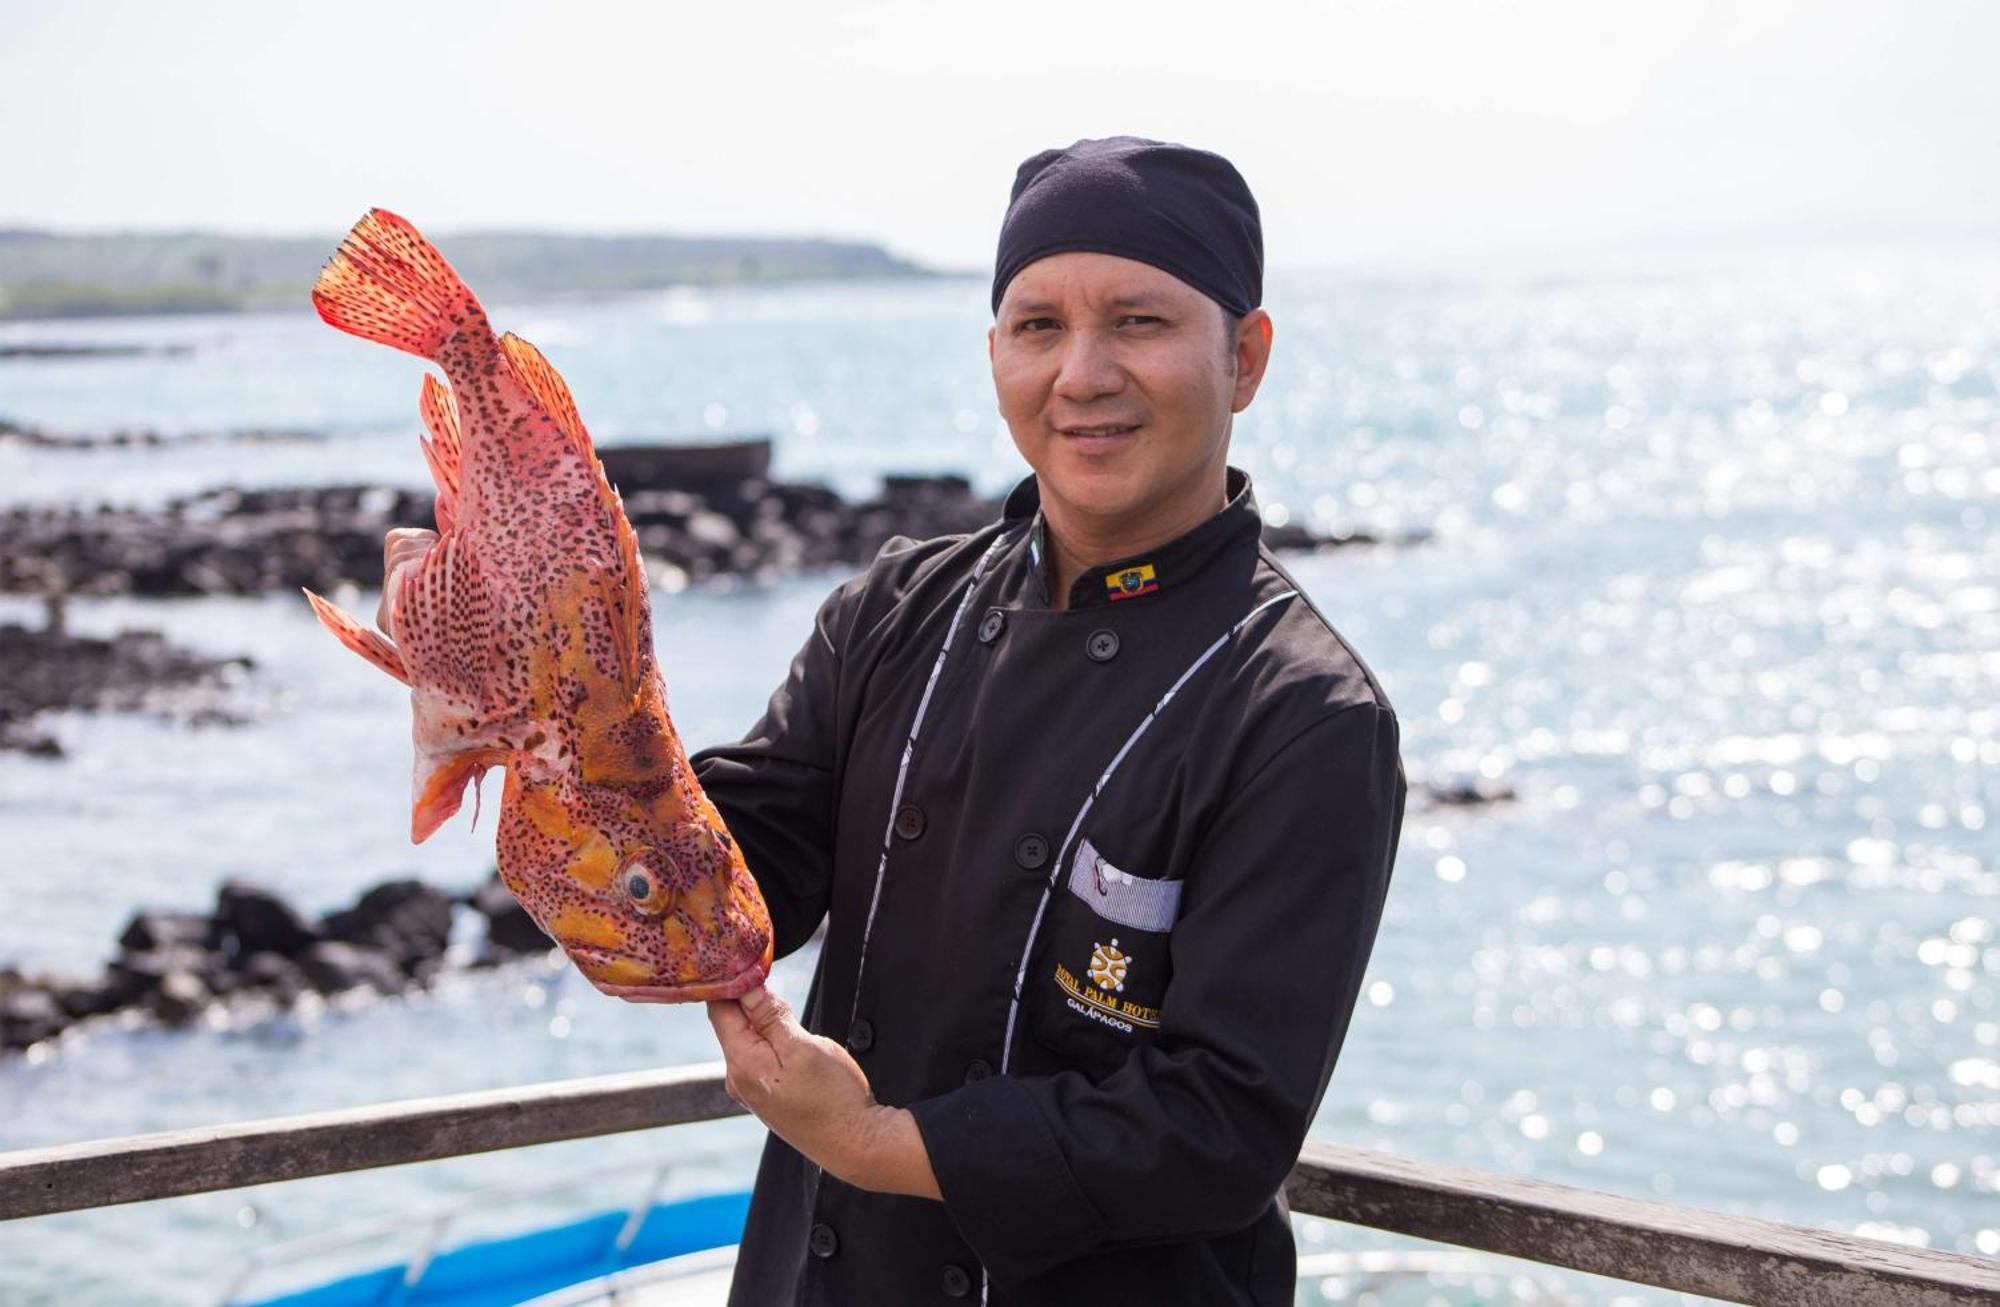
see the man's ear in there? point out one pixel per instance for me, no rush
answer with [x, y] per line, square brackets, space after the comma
[991, 333]
[1252, 356]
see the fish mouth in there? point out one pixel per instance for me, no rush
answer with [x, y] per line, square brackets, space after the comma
[696, 992]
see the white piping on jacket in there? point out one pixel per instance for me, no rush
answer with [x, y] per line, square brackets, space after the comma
[1062, 854]
[903, 768]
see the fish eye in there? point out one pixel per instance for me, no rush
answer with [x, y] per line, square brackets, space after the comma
[646, 889]
[722, 839]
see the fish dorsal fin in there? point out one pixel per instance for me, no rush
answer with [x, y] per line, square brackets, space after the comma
[547, 386]
[442, 449]
[625, 592]
[633, 605]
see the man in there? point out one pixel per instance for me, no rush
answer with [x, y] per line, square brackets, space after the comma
[1098, 811]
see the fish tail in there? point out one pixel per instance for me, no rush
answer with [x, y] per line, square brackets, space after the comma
[386, 283]
[350, 632]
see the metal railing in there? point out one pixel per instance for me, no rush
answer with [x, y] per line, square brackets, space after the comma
[1735, 1258]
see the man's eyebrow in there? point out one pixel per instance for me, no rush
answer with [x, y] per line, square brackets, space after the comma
[1139, 300]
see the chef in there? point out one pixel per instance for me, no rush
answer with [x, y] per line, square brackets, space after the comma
[1097, 807]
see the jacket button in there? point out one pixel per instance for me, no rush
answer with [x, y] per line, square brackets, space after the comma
[1102, 646]
[861, 1035]
[979, 1070]
[909, 821]
[823, 1241]
[957, 1282]
[1031, 851]
[990, 629]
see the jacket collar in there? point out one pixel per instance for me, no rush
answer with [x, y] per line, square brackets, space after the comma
[1134, 578]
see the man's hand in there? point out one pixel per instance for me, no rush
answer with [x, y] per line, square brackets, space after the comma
[402, 547]
[816, 1098]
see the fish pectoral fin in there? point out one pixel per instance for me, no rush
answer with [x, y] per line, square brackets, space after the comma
[440, 787]
[444, 615]
[349, 630]
[441, 450]
[548, 388]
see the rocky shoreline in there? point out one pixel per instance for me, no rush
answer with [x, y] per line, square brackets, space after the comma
[702, 512]
[239, 542]
[172, 967]
[15, 433]
[51, 670]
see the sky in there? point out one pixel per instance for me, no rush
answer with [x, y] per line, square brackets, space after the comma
[1368, 129]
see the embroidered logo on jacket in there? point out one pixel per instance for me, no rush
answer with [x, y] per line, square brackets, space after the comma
[1108, 966]
[1096, 996]
[1132, 582]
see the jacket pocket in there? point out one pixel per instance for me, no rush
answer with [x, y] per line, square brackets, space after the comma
[1103, 962]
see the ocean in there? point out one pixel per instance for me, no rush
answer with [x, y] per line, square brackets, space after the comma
[1713, 585]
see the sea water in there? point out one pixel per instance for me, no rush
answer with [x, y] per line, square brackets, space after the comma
[1713, 585]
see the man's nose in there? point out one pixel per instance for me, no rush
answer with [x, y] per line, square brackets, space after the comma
[1089, 369]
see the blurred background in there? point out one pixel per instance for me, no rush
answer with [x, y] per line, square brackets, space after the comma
[1635, 411]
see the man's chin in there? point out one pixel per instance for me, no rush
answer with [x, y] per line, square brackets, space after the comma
[1103, 488]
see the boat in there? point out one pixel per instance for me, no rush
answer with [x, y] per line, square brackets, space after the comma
[681, 1252]
[529, 1265]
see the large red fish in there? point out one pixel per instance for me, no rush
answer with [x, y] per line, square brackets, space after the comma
[524, 634]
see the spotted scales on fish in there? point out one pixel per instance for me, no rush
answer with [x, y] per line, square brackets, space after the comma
[524, 633]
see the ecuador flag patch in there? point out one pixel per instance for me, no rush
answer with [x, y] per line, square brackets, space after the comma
[1131, 582]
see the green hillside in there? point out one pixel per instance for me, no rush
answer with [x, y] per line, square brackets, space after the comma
[50, 274]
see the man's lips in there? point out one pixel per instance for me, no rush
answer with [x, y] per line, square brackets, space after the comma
[1097, 436]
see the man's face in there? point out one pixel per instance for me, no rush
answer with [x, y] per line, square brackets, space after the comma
[1117, 381]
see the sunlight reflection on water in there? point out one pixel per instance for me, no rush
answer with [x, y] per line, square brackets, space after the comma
[1711, 590]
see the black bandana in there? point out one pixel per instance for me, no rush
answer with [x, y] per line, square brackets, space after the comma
[1185, 211]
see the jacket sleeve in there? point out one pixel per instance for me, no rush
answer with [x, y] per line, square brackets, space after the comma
[776, 786]
[1193, 1135]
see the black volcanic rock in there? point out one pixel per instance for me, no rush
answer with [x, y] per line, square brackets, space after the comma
[151, 930]
[509, 928]
[51, 670]
[28, 1015]
[179, 998]
[274, 974]
[137, 974]
[1456, 792]
[253, 919]
[84, 999]
[705, 510]
[406, 919]
[332, 965]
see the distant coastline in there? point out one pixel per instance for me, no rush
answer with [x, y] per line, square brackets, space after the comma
[49, 274]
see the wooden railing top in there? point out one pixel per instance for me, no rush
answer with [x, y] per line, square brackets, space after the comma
[1735, 1258]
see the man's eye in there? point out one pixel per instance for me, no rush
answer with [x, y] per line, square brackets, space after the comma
[1035, 324]
[1143, 319]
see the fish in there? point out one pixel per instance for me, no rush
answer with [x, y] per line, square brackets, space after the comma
[524, 634]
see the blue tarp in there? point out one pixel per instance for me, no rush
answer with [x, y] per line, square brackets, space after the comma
[501, 1272]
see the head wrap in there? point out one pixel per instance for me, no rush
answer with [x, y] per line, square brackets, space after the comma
[1183, 210]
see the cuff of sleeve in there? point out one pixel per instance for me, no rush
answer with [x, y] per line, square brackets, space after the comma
[1005, 1181]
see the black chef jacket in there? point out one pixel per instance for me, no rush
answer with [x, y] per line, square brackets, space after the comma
[1201, 898]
